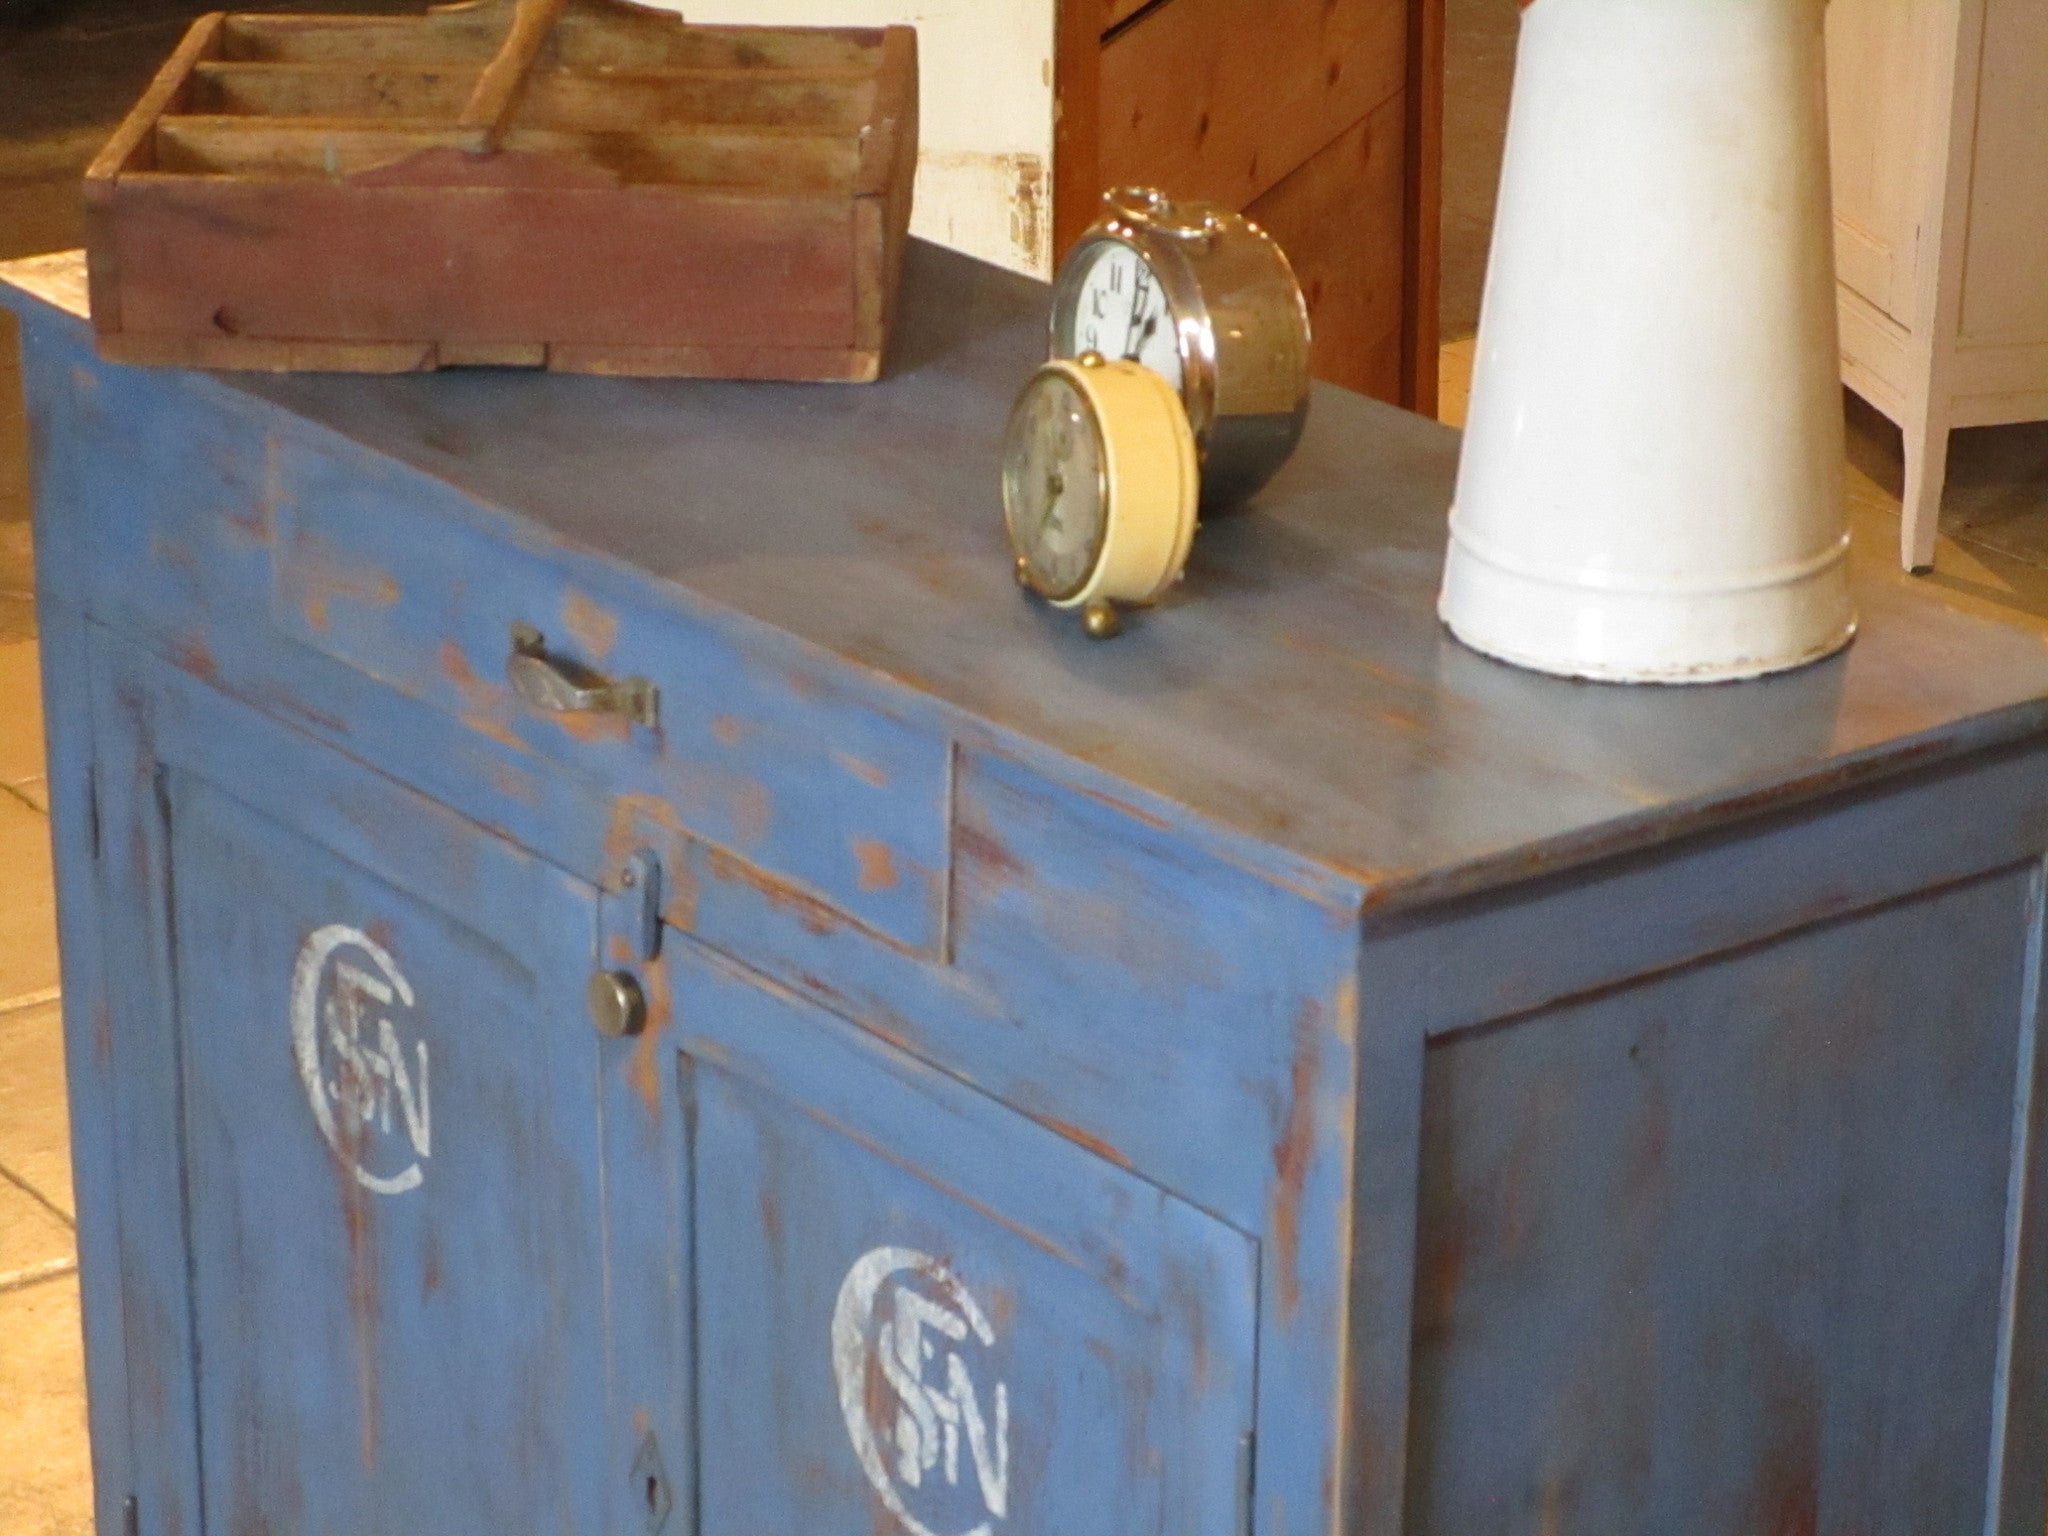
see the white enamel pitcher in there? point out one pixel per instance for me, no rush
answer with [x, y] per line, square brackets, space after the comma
[1651, 484]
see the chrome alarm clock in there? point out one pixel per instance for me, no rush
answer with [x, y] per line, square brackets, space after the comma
[1100, 486]
[1206, 300]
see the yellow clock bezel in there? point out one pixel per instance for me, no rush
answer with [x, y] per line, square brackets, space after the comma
[1151, 480]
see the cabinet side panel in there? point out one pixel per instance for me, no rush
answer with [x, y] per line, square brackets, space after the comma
[2005, 284]
[1726, 1249]
[89, 1074]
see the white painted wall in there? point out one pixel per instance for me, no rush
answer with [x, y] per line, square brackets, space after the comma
[984, 177]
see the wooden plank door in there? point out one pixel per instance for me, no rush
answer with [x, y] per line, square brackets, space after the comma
[1322, 123]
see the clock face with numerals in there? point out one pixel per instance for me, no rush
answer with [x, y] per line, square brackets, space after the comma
[1121, 312]
[1203, 302]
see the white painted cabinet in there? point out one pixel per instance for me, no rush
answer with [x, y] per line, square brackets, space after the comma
[1939, 113]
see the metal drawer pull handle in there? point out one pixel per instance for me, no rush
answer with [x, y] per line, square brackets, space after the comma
[563, 687]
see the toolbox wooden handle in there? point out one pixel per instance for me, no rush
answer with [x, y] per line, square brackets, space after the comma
[497, 93]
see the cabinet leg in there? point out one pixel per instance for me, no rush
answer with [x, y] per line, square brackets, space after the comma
[1926, 444]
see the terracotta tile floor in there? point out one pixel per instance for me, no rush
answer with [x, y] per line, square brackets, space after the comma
[44, 1472]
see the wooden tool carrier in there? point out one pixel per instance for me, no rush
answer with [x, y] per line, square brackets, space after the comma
[585, 185]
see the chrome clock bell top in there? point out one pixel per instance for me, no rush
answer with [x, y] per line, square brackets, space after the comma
[1207, 300]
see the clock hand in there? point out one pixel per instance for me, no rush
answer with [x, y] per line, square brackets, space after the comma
[1141, 287]
[1138, 346]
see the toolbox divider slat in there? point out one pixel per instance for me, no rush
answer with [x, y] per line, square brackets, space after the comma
[241, 88]
[588, 43]
[690, 154]
[581, 42]
[361, 39]
[827, 100]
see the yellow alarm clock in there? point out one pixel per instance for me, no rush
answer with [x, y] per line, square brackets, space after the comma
[1101, 484]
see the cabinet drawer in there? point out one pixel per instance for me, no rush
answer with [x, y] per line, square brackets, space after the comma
[759, 752]
[917, 1310]
[253, 525]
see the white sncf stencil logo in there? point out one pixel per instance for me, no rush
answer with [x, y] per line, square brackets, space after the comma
[365, 1070]
[910, 1347]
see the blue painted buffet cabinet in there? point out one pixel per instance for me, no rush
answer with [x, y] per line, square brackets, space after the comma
[622, 978]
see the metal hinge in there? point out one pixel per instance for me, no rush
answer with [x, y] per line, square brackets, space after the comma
[650, 1485]
[92, 810]
[628, 936]
[1246, 1448]
[629, 919]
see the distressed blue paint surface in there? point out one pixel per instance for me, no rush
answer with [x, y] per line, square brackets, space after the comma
[1724, 1251]
[1119, 1321]
[424, 1358]
[89, 1077]
[778, 765]
[1298, 689]
[330, 1318]
[1237, 1013]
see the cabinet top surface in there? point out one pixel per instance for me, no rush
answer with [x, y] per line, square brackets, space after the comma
[1298, 689]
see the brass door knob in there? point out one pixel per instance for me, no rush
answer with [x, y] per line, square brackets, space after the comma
[618, 1007]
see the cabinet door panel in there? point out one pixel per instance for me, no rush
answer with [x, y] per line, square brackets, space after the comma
[1878, 110]
[363, 1272]
[393, 1196]
[921, 1312]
